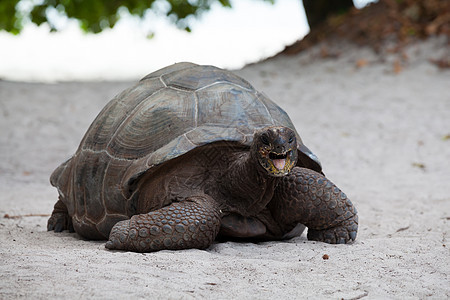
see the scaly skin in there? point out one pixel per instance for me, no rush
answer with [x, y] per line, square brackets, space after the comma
[307, 197]
[193, 223]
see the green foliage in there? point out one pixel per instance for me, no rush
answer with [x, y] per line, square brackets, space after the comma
[96, 15]
[9, 19]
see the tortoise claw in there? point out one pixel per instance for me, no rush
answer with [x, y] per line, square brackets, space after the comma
[58, 227]
[118, 237]
[59, 222]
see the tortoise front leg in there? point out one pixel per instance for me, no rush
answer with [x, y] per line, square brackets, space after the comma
[192, 223]
[307, 197]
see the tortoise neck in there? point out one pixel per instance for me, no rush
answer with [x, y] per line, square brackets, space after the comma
[249, 182]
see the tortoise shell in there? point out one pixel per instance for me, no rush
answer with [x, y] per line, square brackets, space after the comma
[165, 115]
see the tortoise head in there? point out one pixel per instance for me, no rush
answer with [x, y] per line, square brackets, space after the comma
[275, 148]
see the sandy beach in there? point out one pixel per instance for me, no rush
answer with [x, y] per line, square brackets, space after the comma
[379, 125]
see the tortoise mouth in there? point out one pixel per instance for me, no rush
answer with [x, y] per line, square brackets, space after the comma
[274, 155]
[278, 160]
[278, 164]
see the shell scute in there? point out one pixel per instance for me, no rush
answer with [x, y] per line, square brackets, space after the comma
[88, 179]
[116, 112]
[169, 69]
[114, 203]
[153, 124]
[196, 78]
[231, 107]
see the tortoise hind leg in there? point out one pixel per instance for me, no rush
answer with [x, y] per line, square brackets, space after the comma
[192, 223]
[309, 198]
[236, 226]
[60, 219]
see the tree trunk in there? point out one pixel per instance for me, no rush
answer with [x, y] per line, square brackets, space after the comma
[317, 11]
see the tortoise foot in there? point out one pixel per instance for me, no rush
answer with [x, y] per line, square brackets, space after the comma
[60, 219]
[119, 236]
[59, 222]
[309, 198]
[342, 234]
[193, 223]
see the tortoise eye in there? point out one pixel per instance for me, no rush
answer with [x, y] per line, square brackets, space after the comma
[291, 139]
[265, 140]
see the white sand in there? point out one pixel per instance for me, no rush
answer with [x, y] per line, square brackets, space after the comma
[380, 137]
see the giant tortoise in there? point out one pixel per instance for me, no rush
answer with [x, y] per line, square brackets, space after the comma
[189, 154]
